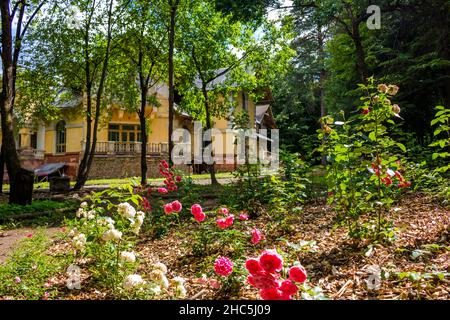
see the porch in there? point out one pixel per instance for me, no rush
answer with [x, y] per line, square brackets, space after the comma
[112, 148]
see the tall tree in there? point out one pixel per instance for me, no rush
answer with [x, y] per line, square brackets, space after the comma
[91, 143]
[75, 39]
[140, 64]
[173, 7]
[223, 55]
[19, 14]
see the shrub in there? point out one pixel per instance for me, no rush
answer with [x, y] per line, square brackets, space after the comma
[104, 235]
[365, 174]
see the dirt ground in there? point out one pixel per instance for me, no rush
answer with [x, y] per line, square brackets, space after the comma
[340, 266]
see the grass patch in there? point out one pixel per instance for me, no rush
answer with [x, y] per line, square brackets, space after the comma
[27, 270]
[119, 182]
[7, 210]
[15, 216]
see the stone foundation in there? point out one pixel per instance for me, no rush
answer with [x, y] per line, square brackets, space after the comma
[126, 167]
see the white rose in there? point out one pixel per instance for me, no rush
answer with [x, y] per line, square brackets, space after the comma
[141, 214]
[155, 290]
[128, 256]
[178, 281]
[72, 232]
[106, 221]
[164, 282]
[132, 281]
[112, 234]
[83, 205]
[160, 266]
[80, 212]
[79, 241]
[90, 215]
[126, 210]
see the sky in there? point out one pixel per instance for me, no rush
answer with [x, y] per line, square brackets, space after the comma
[275, 14]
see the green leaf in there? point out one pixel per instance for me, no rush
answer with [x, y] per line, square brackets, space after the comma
[372, 136]
[401, 146]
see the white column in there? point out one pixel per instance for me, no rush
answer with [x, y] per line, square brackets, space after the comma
[41, 137]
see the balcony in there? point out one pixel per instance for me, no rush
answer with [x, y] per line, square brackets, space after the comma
[130, 148]
[30, 153]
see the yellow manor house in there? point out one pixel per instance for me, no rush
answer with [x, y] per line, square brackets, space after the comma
[118, 146]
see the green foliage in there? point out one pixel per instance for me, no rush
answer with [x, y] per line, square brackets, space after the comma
[37, 206]
[286, 191]
[90, 229]
[364, 162]
[29, 268]
[442, 132]
[209, 239]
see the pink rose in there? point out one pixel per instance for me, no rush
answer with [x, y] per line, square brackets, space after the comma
[230, 220]
[273, 294]
[222, 223]
[297, 274]
[176, 206]
[288, 287]
[200, 217]
[196, 209]
[253, 266]
[223, 266]
[243, 217]
[168, 208]
[162, 190]
[224, 211]
[214, 284]
[263, 280]
[257, 236]
[271, 261]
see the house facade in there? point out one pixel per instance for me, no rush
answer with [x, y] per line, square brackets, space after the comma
[118, 148]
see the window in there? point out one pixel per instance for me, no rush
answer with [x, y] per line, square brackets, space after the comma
[61, 137]
[33, 139]
[124, 133]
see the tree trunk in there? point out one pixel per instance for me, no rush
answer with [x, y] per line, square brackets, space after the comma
[2, 170]
[88, 157]
[323, 110]
[212, 169]
[21, 181]
[144, 139]
[361, 65]
[173, 14]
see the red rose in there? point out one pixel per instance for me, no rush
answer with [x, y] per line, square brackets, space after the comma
[288, 287]
[273, 294]
[176, 206]
[253, 266]
[196, 209]
[263, 280]
[271, 261]
[297, 274]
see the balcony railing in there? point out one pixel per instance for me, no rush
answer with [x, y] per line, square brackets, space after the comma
[130, 148]
[29, 153]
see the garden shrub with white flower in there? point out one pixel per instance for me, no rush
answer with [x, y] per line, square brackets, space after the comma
[103, 238]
